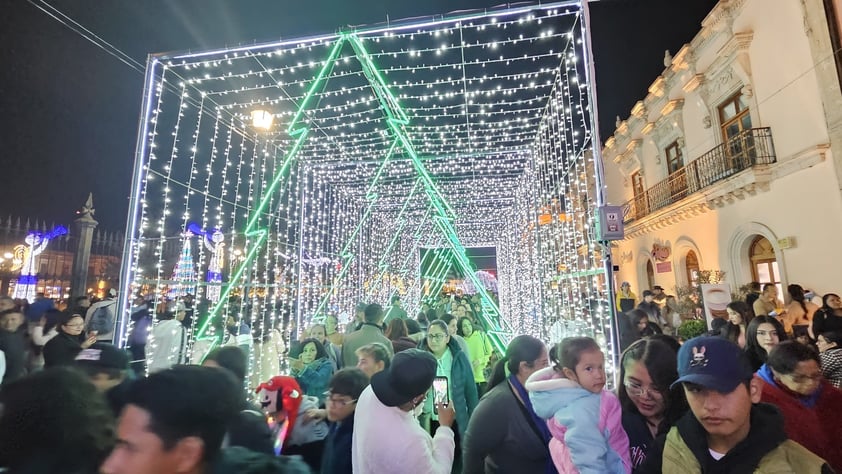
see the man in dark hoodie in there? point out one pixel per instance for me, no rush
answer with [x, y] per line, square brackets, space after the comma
[727, 430]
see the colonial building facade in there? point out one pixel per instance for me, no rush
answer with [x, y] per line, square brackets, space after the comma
[732, 160]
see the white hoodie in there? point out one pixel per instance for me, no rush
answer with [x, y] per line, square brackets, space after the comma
[167, 345]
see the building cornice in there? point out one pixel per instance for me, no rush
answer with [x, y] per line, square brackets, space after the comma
[681, 70]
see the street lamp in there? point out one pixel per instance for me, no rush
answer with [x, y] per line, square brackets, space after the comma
[261, 119]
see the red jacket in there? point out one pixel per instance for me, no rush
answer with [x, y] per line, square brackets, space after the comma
[819, 428]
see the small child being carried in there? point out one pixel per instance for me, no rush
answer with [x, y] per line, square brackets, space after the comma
[584, 419]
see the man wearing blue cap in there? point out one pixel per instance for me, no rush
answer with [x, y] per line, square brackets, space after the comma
[727, 431]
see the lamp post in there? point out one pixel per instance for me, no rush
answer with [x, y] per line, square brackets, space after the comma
[262, 119]
[84, 226]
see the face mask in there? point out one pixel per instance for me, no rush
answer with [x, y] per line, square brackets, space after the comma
[418, 410]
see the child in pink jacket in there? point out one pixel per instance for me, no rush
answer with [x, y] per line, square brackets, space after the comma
[584, 419]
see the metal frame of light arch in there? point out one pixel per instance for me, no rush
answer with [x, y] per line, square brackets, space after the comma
[397, 120]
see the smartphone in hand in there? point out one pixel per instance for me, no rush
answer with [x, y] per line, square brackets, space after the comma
[440, 391]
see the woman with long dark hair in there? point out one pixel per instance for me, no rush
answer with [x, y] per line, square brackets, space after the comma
[829, 316]
[799, 312]
[762, 334]
[399, 335]
[505, 434]
[647, 369]
[739, 316]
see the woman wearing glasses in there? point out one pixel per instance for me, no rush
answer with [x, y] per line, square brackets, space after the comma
[647, 369]
[809, 404]
[63, 348]
[452, 363]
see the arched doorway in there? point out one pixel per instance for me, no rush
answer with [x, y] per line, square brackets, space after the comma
[764, 263]
[650, 274]
[691, 268]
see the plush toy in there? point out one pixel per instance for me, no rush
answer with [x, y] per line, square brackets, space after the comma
[280, 399]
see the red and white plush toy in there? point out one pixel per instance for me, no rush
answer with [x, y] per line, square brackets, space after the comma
[280, 399]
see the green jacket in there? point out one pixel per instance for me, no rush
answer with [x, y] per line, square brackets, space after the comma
[479, 351]
[766, 450]
[788, 457]
[463, 390]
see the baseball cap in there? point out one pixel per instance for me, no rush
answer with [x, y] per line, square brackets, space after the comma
[714, 363]
[410, 374]
[103, 355]
[648, 293]
[658, 287]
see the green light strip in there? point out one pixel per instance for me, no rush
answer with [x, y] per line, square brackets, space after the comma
[300, 133]
[402, 269]
[318, 84]
[372, 198]
[392, 108]
[261, 235]
[402, 222]
[437, 275]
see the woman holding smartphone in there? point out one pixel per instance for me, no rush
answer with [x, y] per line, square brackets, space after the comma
[452, 363]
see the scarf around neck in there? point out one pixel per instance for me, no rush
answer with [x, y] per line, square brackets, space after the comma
[539, 423]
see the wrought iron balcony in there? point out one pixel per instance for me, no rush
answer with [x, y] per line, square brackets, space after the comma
[750, 148]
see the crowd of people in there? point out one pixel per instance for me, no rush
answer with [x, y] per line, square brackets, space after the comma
[393, 394]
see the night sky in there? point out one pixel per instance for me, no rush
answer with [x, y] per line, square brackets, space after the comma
[70, 111]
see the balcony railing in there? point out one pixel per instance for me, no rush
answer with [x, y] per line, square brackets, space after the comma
[751, 147]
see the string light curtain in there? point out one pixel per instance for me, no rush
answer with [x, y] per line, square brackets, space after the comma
[444, 133]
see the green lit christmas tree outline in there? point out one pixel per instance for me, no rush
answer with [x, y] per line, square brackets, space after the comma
[397, 121]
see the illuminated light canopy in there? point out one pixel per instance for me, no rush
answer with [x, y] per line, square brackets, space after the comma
[448, 134]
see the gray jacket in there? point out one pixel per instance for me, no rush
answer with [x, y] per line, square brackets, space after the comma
[367, 334]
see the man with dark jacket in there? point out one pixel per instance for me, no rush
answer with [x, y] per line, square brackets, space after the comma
[651, 308]
[141, 325]
[727, 430]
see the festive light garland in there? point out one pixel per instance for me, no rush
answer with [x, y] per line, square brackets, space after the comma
[453, 133]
